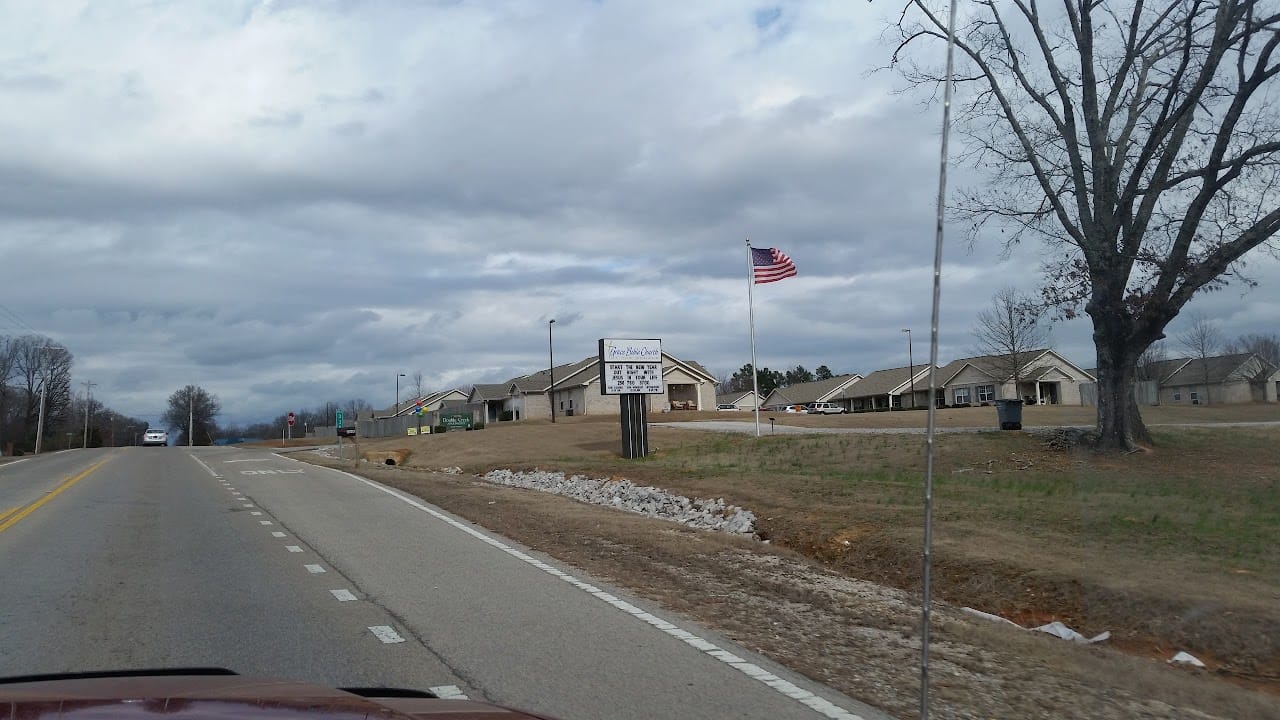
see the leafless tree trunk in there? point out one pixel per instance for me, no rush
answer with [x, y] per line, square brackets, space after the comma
[417, 385]
[1150, 359]
[1138, 140]
[1011, 331]
[1202, 341]
[1266, 347]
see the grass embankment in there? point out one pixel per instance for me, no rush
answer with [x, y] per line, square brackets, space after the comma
[1172, 549]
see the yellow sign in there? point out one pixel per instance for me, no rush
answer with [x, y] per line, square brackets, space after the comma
[412, 431]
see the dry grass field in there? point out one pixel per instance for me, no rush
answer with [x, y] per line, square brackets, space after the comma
[1172, 549]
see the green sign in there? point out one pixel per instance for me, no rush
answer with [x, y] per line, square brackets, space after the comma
[456, 421]
[338, 422]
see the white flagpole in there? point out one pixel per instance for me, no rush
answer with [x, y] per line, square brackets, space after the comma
[926, 581]
[751, 316]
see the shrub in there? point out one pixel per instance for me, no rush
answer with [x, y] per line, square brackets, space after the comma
[439, 429]
[506, 415]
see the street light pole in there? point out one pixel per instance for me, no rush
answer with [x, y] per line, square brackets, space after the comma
[191, 416]
[396, 411]
[551, 368]
[911, 367]
[88, 402]
[44, 389]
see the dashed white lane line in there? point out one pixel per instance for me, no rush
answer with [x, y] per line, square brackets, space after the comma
[314, 569]
[256, 513]
[343, 595]
[293, 548]
[248, 505]
[386, 634]
[751, 670]
[264, 522]
[278, 534]
[447, 692]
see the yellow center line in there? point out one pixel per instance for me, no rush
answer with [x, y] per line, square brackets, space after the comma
[6, 513]
[11, 518]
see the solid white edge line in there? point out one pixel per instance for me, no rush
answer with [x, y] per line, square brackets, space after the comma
[13, 462]
[755, 672]
[206, 467]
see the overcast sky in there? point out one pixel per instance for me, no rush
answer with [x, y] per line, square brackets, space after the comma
[291, 202]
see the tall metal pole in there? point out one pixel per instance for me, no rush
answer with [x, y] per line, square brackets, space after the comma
[911, 368]
[396, 411]
[551, 357]
[44, 385]
[751, 320]
[191, 416]
[44, 389]
[88, 402]
[926, 561]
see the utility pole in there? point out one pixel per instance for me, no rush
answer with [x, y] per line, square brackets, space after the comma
[551, 357]
[191, 416]
[911, 369]
[88, 403]
[44, 389]
[396, 411]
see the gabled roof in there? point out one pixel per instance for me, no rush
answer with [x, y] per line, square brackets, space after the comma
[488, 391]
[428, 399]
[992, 366]
[589, 371]
[734, 398]
[816, 391]
[1220, 369]
[886, 382]
[540, 381]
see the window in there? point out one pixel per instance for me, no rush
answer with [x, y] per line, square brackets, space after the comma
[897, 401]
[986, 393]
[1177, 396]
[1195, 398]
[960, 396]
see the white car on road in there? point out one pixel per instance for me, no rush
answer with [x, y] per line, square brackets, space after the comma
[155, 437]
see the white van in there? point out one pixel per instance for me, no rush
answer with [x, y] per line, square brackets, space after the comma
[824, 408]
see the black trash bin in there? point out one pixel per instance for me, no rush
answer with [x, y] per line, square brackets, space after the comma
[1009, 413]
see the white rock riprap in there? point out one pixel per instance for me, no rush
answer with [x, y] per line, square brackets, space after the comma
[707, 514]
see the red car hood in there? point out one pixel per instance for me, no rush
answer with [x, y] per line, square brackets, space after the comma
[223, 697]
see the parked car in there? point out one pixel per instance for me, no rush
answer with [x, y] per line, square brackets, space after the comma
[824, 408]
[729, 407]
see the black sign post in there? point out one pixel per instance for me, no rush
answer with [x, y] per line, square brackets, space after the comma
[632, 369]
[635, 425]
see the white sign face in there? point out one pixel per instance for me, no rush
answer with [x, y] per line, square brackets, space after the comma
[632, 351]
[627, 378]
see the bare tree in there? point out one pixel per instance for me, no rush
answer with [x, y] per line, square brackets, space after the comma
[1202, 341]
[1266, 347]
[1139, 140]
[1150, 359]
[194, 411]
[417, 385]
[1010, 332]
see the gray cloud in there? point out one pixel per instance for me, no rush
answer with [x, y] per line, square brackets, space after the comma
[289, 203]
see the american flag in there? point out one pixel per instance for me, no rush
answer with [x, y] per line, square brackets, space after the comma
[771, 265]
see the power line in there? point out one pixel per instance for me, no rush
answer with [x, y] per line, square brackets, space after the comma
[18, 319]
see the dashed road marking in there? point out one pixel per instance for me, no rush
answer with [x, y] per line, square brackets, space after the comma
[278, 534]
[447, 692]
[386, 634]
[343, 595]
[314, 569]
[264, 522]
[293, 548]
[256, 512]
[248, 505]
[781, 685]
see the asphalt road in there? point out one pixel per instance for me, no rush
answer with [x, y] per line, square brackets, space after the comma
[168, 557]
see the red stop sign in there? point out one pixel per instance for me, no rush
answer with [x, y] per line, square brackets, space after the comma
[290, 418]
